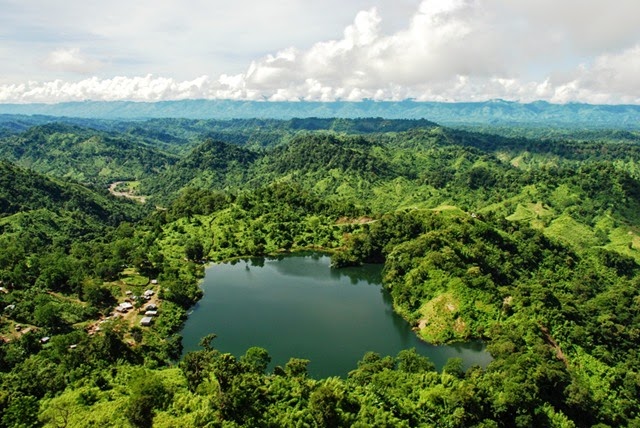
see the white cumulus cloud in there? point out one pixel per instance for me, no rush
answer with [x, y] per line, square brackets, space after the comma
[145, 88]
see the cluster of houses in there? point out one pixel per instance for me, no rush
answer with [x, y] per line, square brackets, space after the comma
[126, 306]
[150, 311]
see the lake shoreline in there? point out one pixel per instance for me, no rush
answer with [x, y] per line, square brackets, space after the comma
[383, 325]
[328, 252]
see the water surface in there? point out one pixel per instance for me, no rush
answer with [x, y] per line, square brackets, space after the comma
[297, 306]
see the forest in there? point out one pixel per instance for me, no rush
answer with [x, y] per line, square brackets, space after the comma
[526, 238]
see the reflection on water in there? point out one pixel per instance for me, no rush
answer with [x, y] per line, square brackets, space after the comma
[297, 306]
[371, 274]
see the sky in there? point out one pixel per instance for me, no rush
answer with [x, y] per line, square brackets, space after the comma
[288, 50]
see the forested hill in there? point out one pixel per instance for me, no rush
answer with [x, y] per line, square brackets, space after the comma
[177, 131]
[38, 213]
[84, 154]
[212, 164]
[23, 190]
[495, 112]
[306, 156]
[309, 154]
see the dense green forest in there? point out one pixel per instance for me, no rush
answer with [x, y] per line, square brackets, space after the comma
[525, 238]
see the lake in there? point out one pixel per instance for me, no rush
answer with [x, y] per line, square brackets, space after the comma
[297, 306]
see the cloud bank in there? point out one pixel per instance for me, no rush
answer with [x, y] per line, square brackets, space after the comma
[450, 50]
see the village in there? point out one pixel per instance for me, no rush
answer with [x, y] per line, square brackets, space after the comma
[138, 305]
[133, 309]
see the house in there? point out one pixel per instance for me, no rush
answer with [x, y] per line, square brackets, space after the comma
[154, 281]
[151, 313]
[148, 293]
[146, 321]
[151, 307]
[45, 339]
[124, 307]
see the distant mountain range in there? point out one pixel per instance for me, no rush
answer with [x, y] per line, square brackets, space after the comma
[495, 112]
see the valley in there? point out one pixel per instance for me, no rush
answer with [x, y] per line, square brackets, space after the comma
[525, 240]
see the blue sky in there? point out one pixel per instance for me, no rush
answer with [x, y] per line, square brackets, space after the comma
[432, 50]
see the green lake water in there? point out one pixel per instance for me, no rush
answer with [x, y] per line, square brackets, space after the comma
[297, 306]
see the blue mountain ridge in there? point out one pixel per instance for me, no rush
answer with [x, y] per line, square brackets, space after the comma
[493, 112]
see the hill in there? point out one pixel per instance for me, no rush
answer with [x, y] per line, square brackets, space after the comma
[496, 112]
[212, 164]
[83, 154]
[40, 214]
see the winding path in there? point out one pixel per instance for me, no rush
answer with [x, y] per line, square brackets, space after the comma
[128, 194]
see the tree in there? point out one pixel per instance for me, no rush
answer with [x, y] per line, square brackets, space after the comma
[195, 366]
[325, 403]
[454, 367]
[109, 345]
[256, 360]
[49, 316]
[148, 393]
[205, 342]
[194, 250]
[411, 362]
[173, 346]
[296, 367]
[22, 412]
[98, 296]
[108, 270]
[226, 368]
